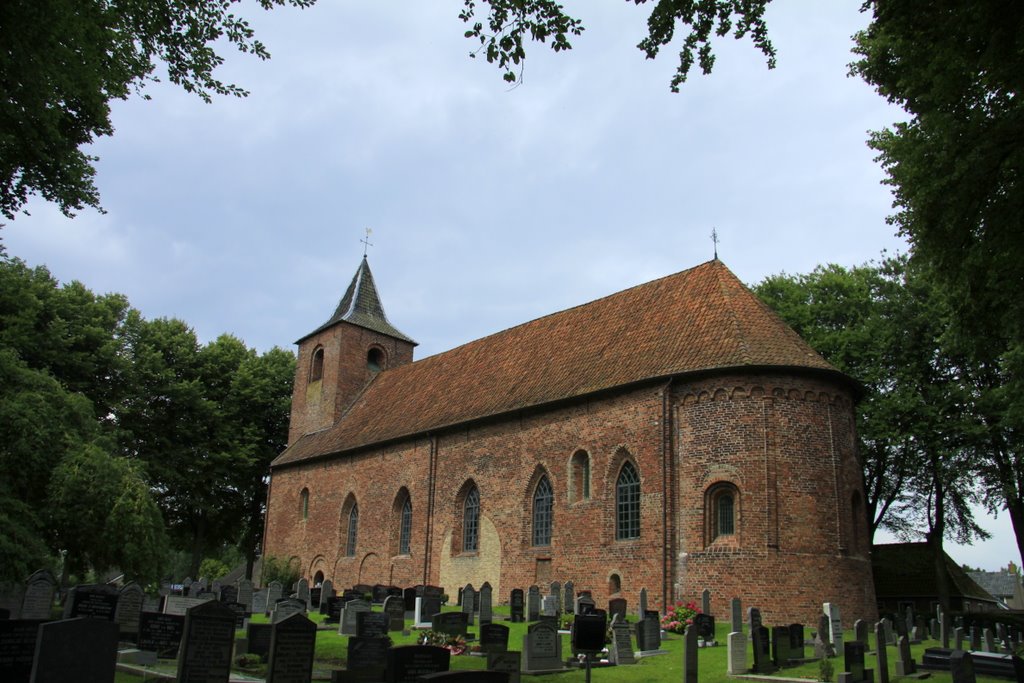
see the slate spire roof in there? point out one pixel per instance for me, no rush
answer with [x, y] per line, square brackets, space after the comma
[697, 321]
[361, 306]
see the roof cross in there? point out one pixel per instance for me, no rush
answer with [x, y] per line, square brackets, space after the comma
[366, 241]
[714, 240]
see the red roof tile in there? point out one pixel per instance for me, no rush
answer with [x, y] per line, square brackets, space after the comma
[700, 319]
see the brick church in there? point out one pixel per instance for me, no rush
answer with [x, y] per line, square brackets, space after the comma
[674, 436]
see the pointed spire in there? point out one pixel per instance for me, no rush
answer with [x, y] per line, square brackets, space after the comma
[361, 306]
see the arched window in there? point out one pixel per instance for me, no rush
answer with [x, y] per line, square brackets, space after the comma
[316, 366]
[627, 503]
[353, 531]
[304, 504]
[375, 359]
[405, 531]
[722, 506]
[543, 498]
[614, 584]
[579, 481]
[471, 521]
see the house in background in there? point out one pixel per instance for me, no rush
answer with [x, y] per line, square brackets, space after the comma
[905, 576]
[1004, 585]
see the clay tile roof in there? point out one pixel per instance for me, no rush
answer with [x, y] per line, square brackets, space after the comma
[361, 306]
[702, 319]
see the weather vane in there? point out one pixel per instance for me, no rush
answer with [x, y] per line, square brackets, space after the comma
[714, 241]
[366, 241]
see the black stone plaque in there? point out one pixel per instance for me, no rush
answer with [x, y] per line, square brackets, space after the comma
[517, 605]
[796, 640]
[588, 633]
[333, 607]
[853, 655]
[618, 606]
[406, 664]
[372, 624]
[259, 639]
[161, 633]
[453, 623]
[77, 649]
[705, 625]
[228, 594]
[292, 643]
[493, 637]
[780, 645]
[367, 656]
[409, 598]
[95, 601]
[17, 648]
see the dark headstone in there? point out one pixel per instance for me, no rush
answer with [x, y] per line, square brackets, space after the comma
[485, 599]
[617, 606]
[961, 667]
[493, 637]
[394, 607]
[760, 639]
[380, 593]
[533, 604]
[367, 656]
[469, 602]
[315, 595]
[506, 662]
[292, 645]
[372, 624]
[17, 649]
[516, 605]
[796, 640]
[75, 650]
[37, 602]
[585, 604]
[568, 597]
[97, 601]
[409, 598]
[780, 645]
[621, 651]
[690, 655]
[206, 644]
[753, 618]
[452, 623]
[542, 647]
[160, 633]
[129, 607]
[588, 633]
[350, 615]
[853, 656]
[705, 601]
[881, 653]
[258, 636]
[406, 664]
[736, 608]
[333, 610]
[705, 625]
[229, 594]
[905, 665]
[286, 607]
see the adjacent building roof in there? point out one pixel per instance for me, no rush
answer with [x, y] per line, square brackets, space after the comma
[905, 570]
[1002, 584]
[702, 319]
[361, 306]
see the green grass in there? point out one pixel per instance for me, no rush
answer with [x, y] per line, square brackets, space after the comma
[331, 654]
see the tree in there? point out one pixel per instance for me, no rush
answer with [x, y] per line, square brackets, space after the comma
[63, 61]
[955, 168]
[883, 326]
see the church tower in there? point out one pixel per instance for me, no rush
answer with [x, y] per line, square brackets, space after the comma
[338, 359]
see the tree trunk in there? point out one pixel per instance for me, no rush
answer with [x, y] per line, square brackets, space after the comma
[934, 539]
[198, 543]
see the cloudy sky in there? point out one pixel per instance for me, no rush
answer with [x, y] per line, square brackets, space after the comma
[489, 205]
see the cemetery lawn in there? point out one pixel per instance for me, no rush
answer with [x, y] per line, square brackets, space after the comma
[331, 654]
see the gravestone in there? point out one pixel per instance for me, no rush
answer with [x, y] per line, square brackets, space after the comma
[366, 657]
[737, 653]
[533, 604]
[860, 632]
[549, 606]
[796, 640]
[326, 591]
[975, 638]
[958, 638]
[258, 636]
[286, 607]
[509, 662]
[736, 608]
[452, 623]
[468, 602]
[426, 608]
[568, 597]
[824, 641]
[585, 604]
[881, 653]
[760, 638]
[617, 607]
[643, 604]
[989, 641]
[128, 610]
[621, 651]
[409, 598]
[945, 629]
[160, 633]
[705, 626]
[753, 618]
[274, 592]
[302, 591]
[332, 609]
[292, 642]
[493, 637]
[17, 648]
[780, 646]
[245, 593]
[516, 606]
[372, 624]
[542, 648]
[853, 657]
[407, 663]
[229, 594]
[705, 601]
[905, 665]
[75, 650]
[835, 625]
[588, 633]
[315, 598]
[37, 602]
[350, 616]
[206, 644]
[961, 667]
[648, 633]
[259, 602]
[394, 607]
[11, 595]
[690, 655]
[97, 601]
[486, 610]
[378, 593]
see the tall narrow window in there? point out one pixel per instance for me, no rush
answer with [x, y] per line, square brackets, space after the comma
[405, 534]
[471, 521]
[304, 503]
[726, 515]
[586, 477]
[722, 504]
[316, 367]
[627, 503]
[353, 531]
[543, 498]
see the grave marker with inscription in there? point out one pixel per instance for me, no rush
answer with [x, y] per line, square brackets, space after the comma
[542, 648]
[407, 663]
[486, 598]
[367, 656]
[97, 601]
[394, 607]
[292, 645]
[77, 649]
[350, 616]
[128, 610]
[493, 637]
[516, 605]
[161, 633]
[621, 651]
[206, 644]
[17, 649]
[37, 602]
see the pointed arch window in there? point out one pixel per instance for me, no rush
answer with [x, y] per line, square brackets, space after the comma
[627, 503]
[471, 521]
[405, 532]
[353, 531]
[543, 500]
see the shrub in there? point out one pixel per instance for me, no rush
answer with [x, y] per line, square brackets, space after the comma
[276, 569]
[677, 618]
[825, 670]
